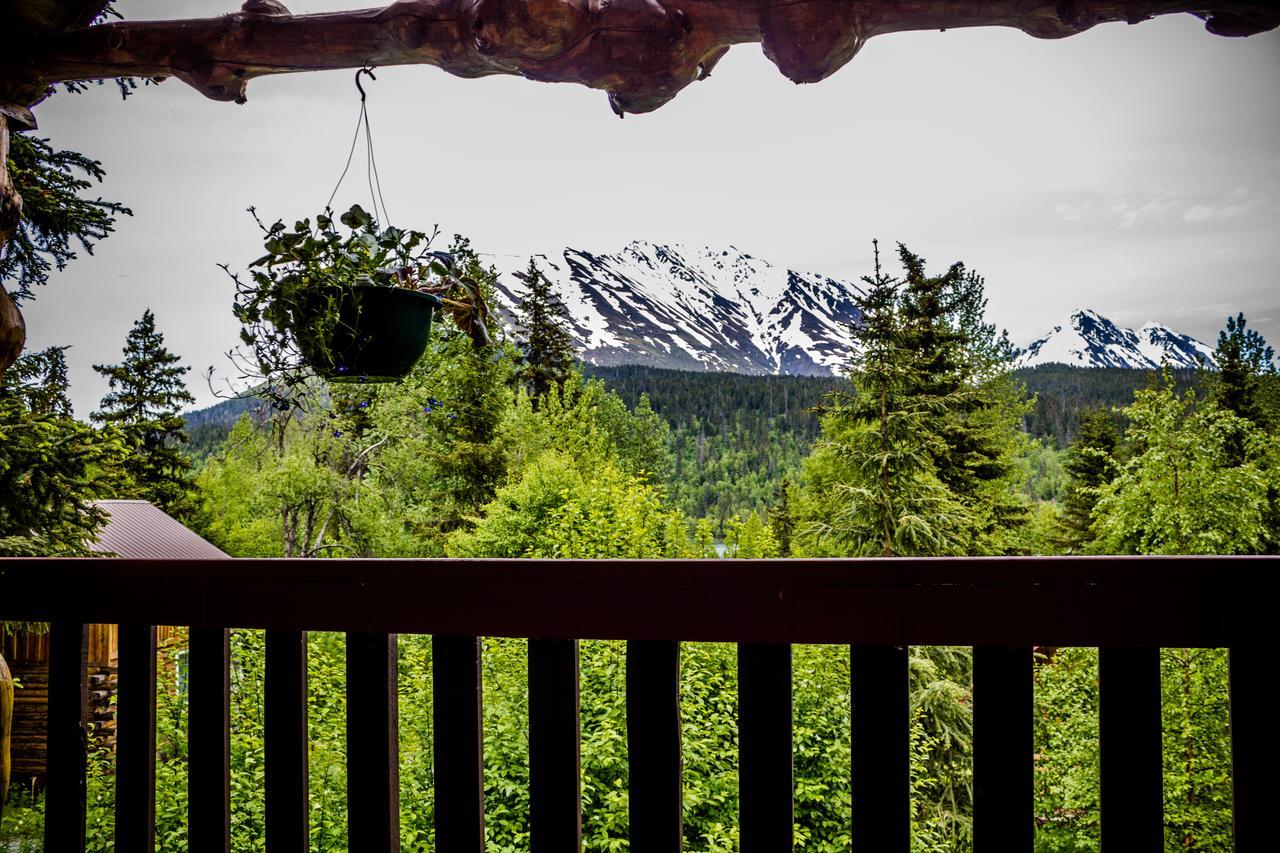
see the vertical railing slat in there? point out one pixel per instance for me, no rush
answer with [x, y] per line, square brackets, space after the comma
[67, 737]
[285, 743]
[1003, 747]
[881, 750]
[136, 739]
[765, 770]
[209, 741]
[555, 778]
[373, 743]
[1253, 750]
[459, 747]
[1129, 725]
[655, 794]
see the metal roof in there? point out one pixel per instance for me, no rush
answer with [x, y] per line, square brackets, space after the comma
[139, 530]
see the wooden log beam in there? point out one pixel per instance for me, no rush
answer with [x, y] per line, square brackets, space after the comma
[13, 329]
[641, 52]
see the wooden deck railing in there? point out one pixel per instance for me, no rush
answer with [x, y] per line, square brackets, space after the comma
[1129, 607]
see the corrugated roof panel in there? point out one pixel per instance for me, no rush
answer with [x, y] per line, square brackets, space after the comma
[137, 529]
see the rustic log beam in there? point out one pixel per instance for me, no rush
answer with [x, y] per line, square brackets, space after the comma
[13, 329]
[641, 52]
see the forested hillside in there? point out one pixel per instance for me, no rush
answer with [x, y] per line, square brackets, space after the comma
[1065, 394]
[734, 436]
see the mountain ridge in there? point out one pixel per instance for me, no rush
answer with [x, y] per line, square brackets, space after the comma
[1089, 339]
[700, 308]
[697, 309]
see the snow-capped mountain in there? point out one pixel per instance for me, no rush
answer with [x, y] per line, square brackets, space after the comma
[697, 309]
[725, 310]
[1090, 340]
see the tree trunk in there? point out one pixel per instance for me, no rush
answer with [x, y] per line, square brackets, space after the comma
[6, 723]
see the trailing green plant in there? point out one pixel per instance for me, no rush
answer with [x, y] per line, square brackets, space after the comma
[291, 306]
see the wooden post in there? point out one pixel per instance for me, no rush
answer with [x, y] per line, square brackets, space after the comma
[6, 721]
[881, 749]
[1003, 747]
[1253, 747]
[68, 741]
[555, 777]
[285, 743]
[136, 739]
[459, 748]
[1130, 762]
[766, 798]
[653, 746]
[209, 741]
[373, 743]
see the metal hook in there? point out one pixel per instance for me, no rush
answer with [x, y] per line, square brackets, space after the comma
[368, 69]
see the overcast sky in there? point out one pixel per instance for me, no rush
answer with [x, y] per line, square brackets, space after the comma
[1133, 170]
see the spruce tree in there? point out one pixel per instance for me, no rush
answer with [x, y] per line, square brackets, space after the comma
[781, 519]
[874, 489]
[42, 378]
[1090, 466]
[146, 394]
[546, 348]
[1246, 372]
[49, 462]
[965, 366]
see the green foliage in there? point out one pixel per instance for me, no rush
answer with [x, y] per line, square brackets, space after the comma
[146, 393]
[1066, 751]
[1179, 493]
[50, 464]
[546, 348]
[1197, 749]
[281, 490]
[1246, 381]
[1065, 395]
[750, 538]
[1091, 465]
[1044, 478]
[732, 437]
[290, 308]
[56, 216]
[872, 485]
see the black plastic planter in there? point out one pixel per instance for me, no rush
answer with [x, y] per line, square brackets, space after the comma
[381, 334]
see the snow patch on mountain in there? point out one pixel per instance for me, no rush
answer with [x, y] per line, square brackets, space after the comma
[697, 308]
[1088, 339]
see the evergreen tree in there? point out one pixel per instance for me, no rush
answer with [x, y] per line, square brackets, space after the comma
[1247, 376]
[964, 365]
[546, 349]
[781, 521]
[49, 463]
[56, 217]
[146, 393]
[1090, 466]
[874, 489]
[42, 378]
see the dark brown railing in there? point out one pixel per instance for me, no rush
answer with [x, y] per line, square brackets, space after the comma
[1129, 607]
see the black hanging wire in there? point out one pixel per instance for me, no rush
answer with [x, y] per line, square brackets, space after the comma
[371, 162]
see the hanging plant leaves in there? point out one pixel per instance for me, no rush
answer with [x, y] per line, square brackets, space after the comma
[291, 305]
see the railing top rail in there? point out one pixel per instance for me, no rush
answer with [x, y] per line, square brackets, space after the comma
[1171, 601]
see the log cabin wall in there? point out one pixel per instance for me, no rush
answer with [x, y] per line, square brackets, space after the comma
[28, 656]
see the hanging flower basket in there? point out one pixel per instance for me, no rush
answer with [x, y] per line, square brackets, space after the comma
[347, 307]
[380, 334]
